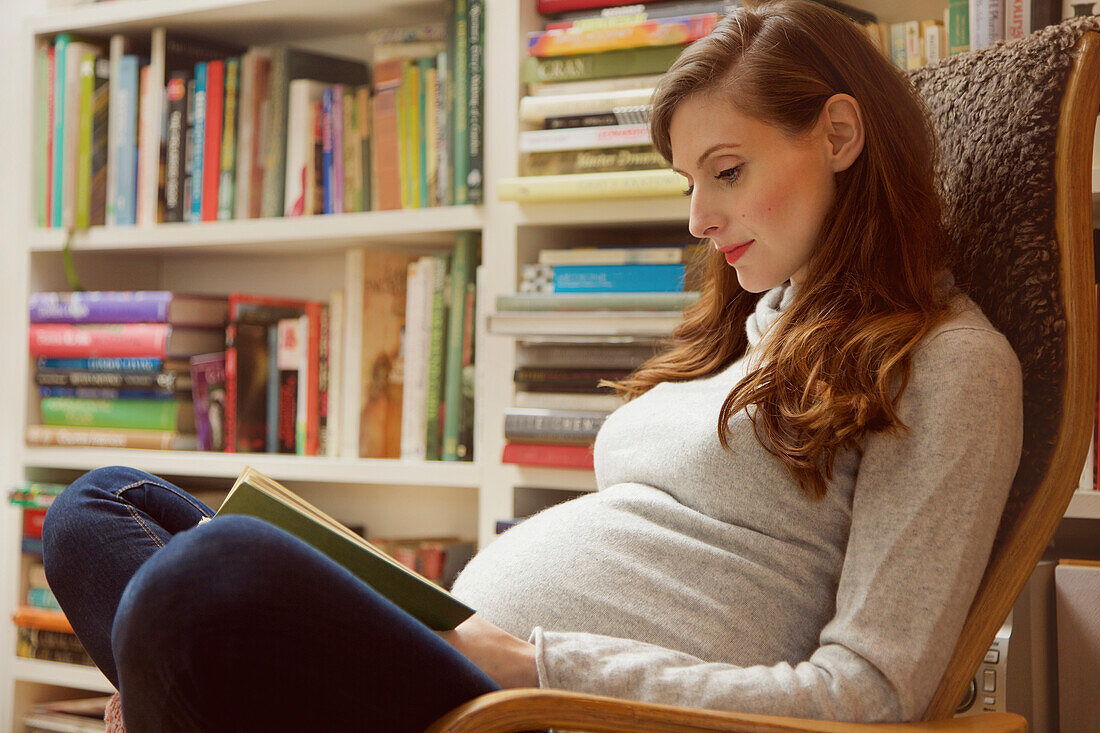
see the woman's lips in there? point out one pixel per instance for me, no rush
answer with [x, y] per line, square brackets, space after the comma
[734, 252]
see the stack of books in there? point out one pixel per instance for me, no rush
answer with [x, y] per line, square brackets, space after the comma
[166, 128]
[583, 315]
[43, 632]
[82, 715]
[439, 559]
[112, 367]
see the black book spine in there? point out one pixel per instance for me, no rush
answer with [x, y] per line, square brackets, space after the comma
[176, 146]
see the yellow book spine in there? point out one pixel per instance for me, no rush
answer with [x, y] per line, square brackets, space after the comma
[631, 184]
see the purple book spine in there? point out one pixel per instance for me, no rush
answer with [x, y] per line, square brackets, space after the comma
[338, 148]
[100, 307]
[208, 394]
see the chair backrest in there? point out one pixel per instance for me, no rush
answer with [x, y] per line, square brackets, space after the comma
[1015, 124]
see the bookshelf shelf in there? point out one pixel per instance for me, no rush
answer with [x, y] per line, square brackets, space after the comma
[60, 674]
[238, 21]
[413, 227]
[280, 468]
[1084, 505]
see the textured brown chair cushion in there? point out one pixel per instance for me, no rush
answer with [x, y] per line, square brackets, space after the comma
[995, 111]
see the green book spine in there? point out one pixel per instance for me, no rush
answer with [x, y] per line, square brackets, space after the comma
[363, 105]
[42, 144]
[958, 27]
[413, 118]
[227, 186]
[436, 359]
[274, 144]
[460, 108]
[420, 598]
[403, 153]
[135, 414]
[476, 90]
[424, 73]
[461, 273]
[61, 43]
[353, 191]
[84, 142]
[628, 62]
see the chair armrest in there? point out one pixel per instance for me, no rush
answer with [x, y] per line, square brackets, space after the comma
[512, 711]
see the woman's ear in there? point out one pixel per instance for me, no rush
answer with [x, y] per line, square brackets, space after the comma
[843, 127]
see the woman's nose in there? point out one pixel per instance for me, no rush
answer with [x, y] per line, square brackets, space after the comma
[704, 219]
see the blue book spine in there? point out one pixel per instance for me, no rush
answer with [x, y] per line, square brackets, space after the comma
[104, 364]
[198, 141]
[618, 278]
[126, 141]
[31, 546]
[42, 598]
[327, 142]
[105, 393]
[272, 440]
[60, 46]
[100, 307]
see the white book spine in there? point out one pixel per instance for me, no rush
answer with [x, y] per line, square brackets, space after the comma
[612, 256]
[583, 138]
[114, 106]
[1017, 20]
[354, 274]
[412, 439]
[535, 110]
[152, 114]
[302, 95]
[245, 131]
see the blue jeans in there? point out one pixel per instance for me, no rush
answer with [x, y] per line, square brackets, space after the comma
[236, 625]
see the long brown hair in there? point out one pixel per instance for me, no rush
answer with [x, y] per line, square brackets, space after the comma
[835, 364]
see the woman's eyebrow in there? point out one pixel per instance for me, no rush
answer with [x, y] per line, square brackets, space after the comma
[706, 154]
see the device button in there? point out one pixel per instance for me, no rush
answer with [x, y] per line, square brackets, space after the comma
[989, 681]
[990, 701]
[992, 656]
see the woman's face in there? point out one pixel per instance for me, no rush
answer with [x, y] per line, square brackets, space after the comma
[759, 196]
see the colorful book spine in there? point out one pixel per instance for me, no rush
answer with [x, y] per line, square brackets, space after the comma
[126, 141]
[618, 278]
[548, 455]
[289, 377]
[100, 307]
[676, 31]
[198, 141]
[175, 146]
[338, 132]
[107, 393]
[631, 184]
[436, 359]
[600, 160]
[43, 60]
[227, 184]
[460, 107]
[328, 150]
[386, 136]
[583, 138]
[60, 46]
[475, 146]
[424, 67]
[208, 395]
[212, 139]
[462, 269]
[63, 340]
[132, 414]
[633, 62]
[47, 435]
[136, 364]
[84, 143]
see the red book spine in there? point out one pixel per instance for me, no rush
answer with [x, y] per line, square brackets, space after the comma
[554, 456]
[552, 7]
[313, 385]
[231, 387]
[212, 145]
[68, 341]
[32, 523]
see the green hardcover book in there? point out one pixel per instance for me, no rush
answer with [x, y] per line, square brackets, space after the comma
[462, 270]
[628, 62]
[363, 108]
[414, 118]
[43, 132]
[958, 27]
[84, 142]
[227, 186]
[353, 187]
[426, 71]
[403, 152]
[460, 102]
[133, 414]
[436, 358]
[476, 91]
[256, 495]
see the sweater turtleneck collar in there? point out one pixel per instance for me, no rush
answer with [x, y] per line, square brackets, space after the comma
[775, 302]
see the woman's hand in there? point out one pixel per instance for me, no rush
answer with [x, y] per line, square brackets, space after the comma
[510, 661]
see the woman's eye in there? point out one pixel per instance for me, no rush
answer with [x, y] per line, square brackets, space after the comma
[729, 175]
[689, 190]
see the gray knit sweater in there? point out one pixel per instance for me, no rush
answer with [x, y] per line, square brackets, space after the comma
[705, 577]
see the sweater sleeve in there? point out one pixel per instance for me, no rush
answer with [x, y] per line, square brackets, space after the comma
[925, 510]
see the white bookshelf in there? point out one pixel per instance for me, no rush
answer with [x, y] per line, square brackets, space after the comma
[304, 258]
